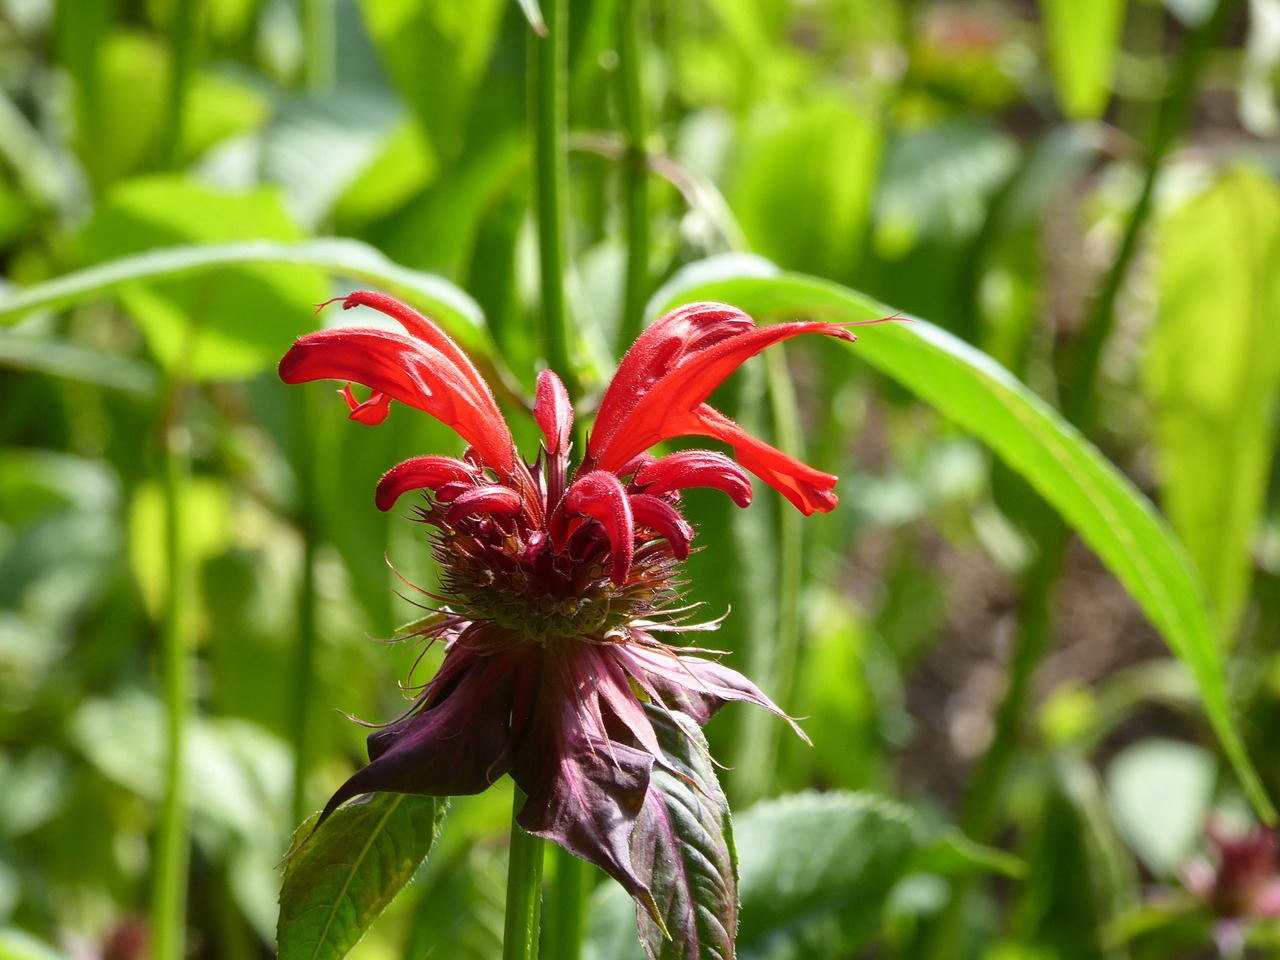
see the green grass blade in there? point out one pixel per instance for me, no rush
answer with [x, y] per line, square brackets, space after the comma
[970, 388]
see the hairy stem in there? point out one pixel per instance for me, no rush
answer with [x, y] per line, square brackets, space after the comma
[635, 178]
[550, 65]
[169, 891]
[524, 890]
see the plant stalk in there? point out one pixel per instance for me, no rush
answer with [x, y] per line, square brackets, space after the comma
[304, 669]
[169, 892]
[524, 890]
[183, 54]
[632, 18]
[319, 43]
[549, 57]
[567, 906]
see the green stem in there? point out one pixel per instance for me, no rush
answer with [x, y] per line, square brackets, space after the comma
[318, 37]
[169, 893]
[567, 906]
[524, 890]
[775, 662]
[1079, 399]
[304, 670]
[184, 41]
[980, 812]
[550, 63]
[635, 182]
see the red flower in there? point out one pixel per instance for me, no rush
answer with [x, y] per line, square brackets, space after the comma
[556, 587]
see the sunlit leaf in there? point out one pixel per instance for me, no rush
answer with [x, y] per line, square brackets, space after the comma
[338, 880]
[449, 306]
[1083, 38]
[1212, 371]
[1112, 517]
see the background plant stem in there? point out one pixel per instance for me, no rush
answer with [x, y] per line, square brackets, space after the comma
[632, 18]
[183, 53]
[566, 906]
[319, 40]
[524, 890]
[169, 893]
[550, 64]
[980, 813]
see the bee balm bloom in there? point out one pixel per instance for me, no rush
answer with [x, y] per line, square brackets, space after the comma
[558, 581]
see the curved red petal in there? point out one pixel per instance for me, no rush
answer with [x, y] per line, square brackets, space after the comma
[553, 411]
[411, 371]
[660, 516]
[671, 370]
[810, 490]
[696, 468]
[487, 499]
[420, 473]
[601, 496]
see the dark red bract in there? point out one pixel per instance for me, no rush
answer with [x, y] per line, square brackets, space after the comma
[557, 585]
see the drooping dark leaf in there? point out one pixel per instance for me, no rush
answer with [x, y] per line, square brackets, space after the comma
[338, 881]
[683, 843]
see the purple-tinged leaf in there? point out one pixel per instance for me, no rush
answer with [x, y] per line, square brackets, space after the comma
[683, 846]
[338, 880]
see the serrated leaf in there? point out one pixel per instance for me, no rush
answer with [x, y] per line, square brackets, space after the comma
[683, 844]
[338, 880]
[815, 872]
[970, 388]
[816, 869]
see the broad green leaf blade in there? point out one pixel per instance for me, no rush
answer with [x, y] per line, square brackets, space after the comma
[445, 303]
[1212, 370]
[970, 388]
[338, 881]
[226, 324]
[816, 869]
[59, 358]
[1083, 37]
[683, 844]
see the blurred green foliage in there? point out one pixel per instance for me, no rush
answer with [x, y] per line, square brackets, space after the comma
[974, 164]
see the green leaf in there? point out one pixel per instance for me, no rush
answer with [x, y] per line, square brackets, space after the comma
[225, 324]
[816, 869]
[967, 386]
[1083, 37]
[448, 305]
[338, 880]
[58, 358]
[803, 193]
[815, 872]
[683, 845]
[1161, 791]
[1212, 370]
[437, 55]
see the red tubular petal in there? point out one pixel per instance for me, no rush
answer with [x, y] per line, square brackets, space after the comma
[600, 495]
[809, 489]
[425, 370]
[696, 468]
[420, 473]
[488, 499]
[661, 386]
[665, 519]
[553, 411]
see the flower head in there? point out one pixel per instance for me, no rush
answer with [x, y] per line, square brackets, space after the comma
[557, 585]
